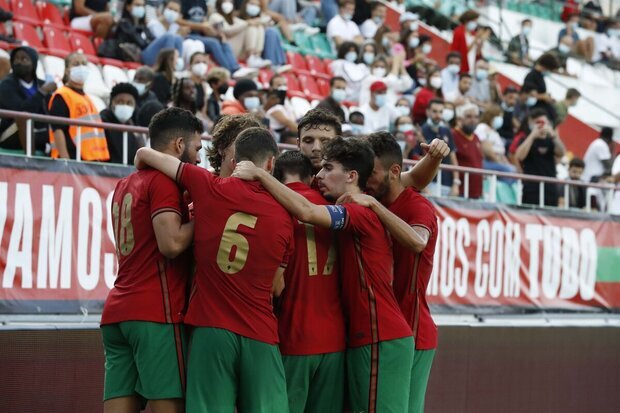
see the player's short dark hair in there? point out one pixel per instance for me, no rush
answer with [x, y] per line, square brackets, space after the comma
[572, 93]
[576, 163]
[256, 145]
[353, 154]
[172, 123]
[548, 61]
[224, 133]
[386, 148]
[292, 163]
[335, 79]
[316, 118]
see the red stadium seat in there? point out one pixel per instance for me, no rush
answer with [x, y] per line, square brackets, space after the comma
[298, 62]
[81, 43]
[56, 41]
[294, 89]
[265, 75]
[4, 4]
[28, 35]
[317, 67]
[3, 45]
[25, 11]
[310, 88]
[50, 15]
[323, 86]
[328, 70]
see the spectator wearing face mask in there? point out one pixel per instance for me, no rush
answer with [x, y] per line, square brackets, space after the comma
[378, 115]
[403, 107]
[465, 38]
[526, 102]
[570, 101]
[545, 64]
[450, 74]
[218, 82]
[378, 12]
[337, 95]
[168, 62]
[493, 146]
[198, 64]
[406, 135]
[431, 91]
[460, 95]
[369, 52]
[509, 125]
[576, 194]
[246, 99]
[518, 52]
[480, 91]
[280, 119]
[356, 121]
[562, 52]
[349, 67]
[395, 77]
[422, 51]
[409, 22]
[341, 28]
[607, 46]
[142, 80]
[572, 24]
[71, 102]
[468, 147]
[121, 111]
[385, 40]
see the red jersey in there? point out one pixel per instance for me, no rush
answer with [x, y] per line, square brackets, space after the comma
[311, 319]
[371, 309]
[412, 271]
[149, 287]
[469, 153]
[241, 237]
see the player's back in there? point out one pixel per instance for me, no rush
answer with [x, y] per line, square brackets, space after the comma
[242, 236]
[311, 320]
[149, 287]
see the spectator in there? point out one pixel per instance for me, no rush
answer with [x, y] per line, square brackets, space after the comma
[403, 107]
[449, 119]
[495, 90]
[378, 12]
[419, 54]
[385, 39]
[198, 64]
[586, 48]
[537, 148]
[608, 46]
[217, 79]
[246, 99]
[562, 52]
[396, 79]
[168, 61]
[123, 100]
[290, 11]
[450, 74]
[21, 91]
[5, 64]
[92, 16]
[518, 52]
[350, 68]
[369, 52]
[256, 33]
[142, 81]
[576, 194]
[184, 95]
[409, 22]
[465, 39]
[429, 92]
[480, 91]
[378, 116]
[545, 64]
[356, 120]
[281, 119]
[405, 134]
[460, 95]
[561, 107]
[147, 111]
[71, 102]
[510, 124]
[598, 156]
[572, 24]
[341, 28]
[244, 38]
[526, 102]
[468, 148]
[493, 146]
[434, 128]
[333, 102]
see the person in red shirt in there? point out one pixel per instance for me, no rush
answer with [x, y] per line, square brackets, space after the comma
[413, 248]
[312, 350]
[468, 148]
[465, 37]
[379, 340]
[241, 243]
[141, 321]
[431, 91]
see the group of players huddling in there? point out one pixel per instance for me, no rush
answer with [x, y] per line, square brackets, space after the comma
[308, 292]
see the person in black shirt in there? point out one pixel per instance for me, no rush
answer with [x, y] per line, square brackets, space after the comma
[509, 101]
[92, 15]
[537, 152]
[198, 64]
[164, 74]
[576, 194]
[535, 79]
[218, 81]
[122, 106]
[142, 81]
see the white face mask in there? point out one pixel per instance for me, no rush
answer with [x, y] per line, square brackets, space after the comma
[402, 110]
[252, 10]
[179, 65]
[414, 42]
[414, 26]
[447, 115]
[454, 69]
[564, 48]
[79, 74]
[171, 15]
[351, 57]
[426, 49]
[369, 57]
[251, 103]
[138, 12]
[123, 112]
[498, 122]
[471, 26]
[436, 82]
[199, 69]
[227, 7]
[140, 87]
[339, 95]
[379, 71]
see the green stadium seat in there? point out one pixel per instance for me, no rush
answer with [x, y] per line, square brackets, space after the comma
[303, 42]
[321, 46]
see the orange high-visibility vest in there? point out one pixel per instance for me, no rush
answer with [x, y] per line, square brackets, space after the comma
[93, 142]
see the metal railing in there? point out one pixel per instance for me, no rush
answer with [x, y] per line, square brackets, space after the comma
[466, 171]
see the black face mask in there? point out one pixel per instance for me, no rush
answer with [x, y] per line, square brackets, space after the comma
[281, 96]
[22, 71]
[468, 129]
[222, 89]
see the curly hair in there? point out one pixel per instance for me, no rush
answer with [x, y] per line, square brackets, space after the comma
[224, 134]
[172, 123]
[316, 118]
[354, 154]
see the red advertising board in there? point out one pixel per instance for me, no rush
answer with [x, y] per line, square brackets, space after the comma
[57, 253]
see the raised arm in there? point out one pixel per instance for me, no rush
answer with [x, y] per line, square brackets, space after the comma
[166, 164]
[425, 170]
[293, 202]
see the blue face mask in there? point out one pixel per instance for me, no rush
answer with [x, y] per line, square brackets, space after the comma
[498, 122]
[339, 95]
[251, 103]
[357, 129]
[369, 57]
[481, 74]
[138, 12]
[531, 101]
[350, 57]
[380, 100]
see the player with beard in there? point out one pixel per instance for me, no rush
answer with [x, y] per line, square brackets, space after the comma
[413, 249]
[380, 345]
[143, 337]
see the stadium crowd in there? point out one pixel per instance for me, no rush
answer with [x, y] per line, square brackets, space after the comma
[225, 57]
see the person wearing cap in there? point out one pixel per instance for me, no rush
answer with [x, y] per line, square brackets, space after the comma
[378, 116]
[341, 28]
[123, 100]
[246, 98]
[378, 12]
[21, 91]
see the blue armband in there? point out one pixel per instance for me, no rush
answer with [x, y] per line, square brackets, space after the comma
[339, 216]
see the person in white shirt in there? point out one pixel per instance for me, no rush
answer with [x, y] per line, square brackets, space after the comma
[614, 208]
[378, 116]
[342, 28]
[459, 96]
[450, 73]
[598, 156]
[349, 67]
[377, 17]
[493, 146]
[397, 80]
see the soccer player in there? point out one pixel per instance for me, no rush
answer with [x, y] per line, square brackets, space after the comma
[141, 321]
[380, 344]
[413, 252]
[242, 240]
[311, 323]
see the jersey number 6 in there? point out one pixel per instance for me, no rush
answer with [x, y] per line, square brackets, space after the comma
[231, 238]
